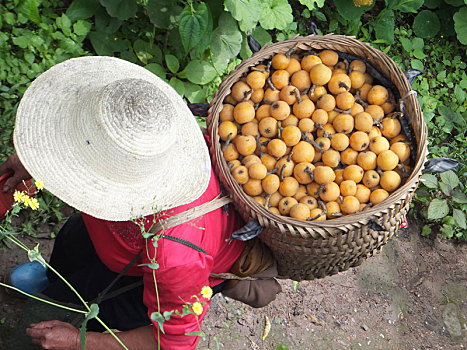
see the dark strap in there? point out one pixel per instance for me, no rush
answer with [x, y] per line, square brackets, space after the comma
[184, 242]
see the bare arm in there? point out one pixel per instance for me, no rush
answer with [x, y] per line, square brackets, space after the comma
[57, 335]
[19, 173]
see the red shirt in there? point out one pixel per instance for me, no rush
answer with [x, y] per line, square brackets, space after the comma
[182, 271]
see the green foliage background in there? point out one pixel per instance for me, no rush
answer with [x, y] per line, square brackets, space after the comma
[193, 44]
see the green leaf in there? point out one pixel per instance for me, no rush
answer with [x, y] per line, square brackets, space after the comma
[460, 25]
[194, 93]
[157, 69]
[178, 85]
[459, 197]
[121, 9]
[153, 265]
[82, 9]
[450, 177]
[429, 180]
[159, 318]
[406, 44]
[168, 314]
[384, 26]
[446, 188]
[246, 12]
[198, 333]
[161, 13]
[200, 72]
[30, 9]
[418, 43]
[447, 231]
[192, 25]
[275, 14]
[459, 218]
[460, 94]
[92, 314]
[417, 64]
[82, 28]
[438, 209]
[172, 63]
[426, 230]
[455, 3]
[410, 5]
[21, 41]
[449, 118]
[426, 24]
[145, 51]
[349, 11]
[312, 4]
[226, 41]
[432, 4]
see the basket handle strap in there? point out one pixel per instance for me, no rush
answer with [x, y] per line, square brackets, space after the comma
[190, 214]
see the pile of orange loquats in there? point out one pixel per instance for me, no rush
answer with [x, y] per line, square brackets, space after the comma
[313, 136]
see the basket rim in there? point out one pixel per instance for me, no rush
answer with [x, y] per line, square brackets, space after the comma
[357, 218]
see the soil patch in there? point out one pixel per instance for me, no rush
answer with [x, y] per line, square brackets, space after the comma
[412, 295]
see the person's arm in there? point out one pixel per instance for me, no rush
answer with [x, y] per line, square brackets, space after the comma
[57, 335]
[19, 173]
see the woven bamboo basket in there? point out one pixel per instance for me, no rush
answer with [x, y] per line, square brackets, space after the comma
[306, 250]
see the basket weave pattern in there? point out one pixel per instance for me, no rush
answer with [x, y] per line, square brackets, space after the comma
[309, 250]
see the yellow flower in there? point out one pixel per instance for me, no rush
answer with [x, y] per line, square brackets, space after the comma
[26, 200]
[33, 203]
[39, 184]
[18, 196]
[197, 308]
[206, 292]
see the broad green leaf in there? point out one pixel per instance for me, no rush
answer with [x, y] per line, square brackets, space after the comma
[384, 26]
[246, 12]
[105, 23]
[426, 24]
[312, 4]
[64, 24]
[192, 25]
[82, 9]
[147, 52]
[226, 41]
[448, 220]
[446, 188]
[418, 53]
[157, 69]
[455, 3]
[438, 209]
[450, 177]
[426, 230]
[460, 94]
[406, 44]
[82, 28]
[172, 63]
[450, 117]
[410, 5]
[104, 43]
[162, 13]
[121, 9]
[178, 85]
[194, 93]
[21, 41]
[417, 64]
[349, 11]
[459, 218]
[275, 14]
[29, 8]
[459, 197]
[418, 43]
[460, 25]
[447, 231]
[200, 72]
[205, 37]
[432, 4]
[429, 180]
[261, 35]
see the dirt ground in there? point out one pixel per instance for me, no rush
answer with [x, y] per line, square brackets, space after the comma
[412, 295]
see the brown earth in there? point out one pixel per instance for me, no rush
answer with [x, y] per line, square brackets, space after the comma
[412, 295]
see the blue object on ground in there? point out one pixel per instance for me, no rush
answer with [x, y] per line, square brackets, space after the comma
[29, 277]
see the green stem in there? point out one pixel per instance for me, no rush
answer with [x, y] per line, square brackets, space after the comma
[43, 300]
[110, 332]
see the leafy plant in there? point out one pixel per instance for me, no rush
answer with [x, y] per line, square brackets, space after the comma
[445, 204]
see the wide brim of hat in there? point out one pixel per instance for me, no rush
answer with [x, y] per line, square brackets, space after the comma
[44, 135]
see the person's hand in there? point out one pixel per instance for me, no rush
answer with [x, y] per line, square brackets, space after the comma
[13, 164]
[55, 335]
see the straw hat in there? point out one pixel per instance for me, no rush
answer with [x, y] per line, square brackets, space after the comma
[111, 139]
